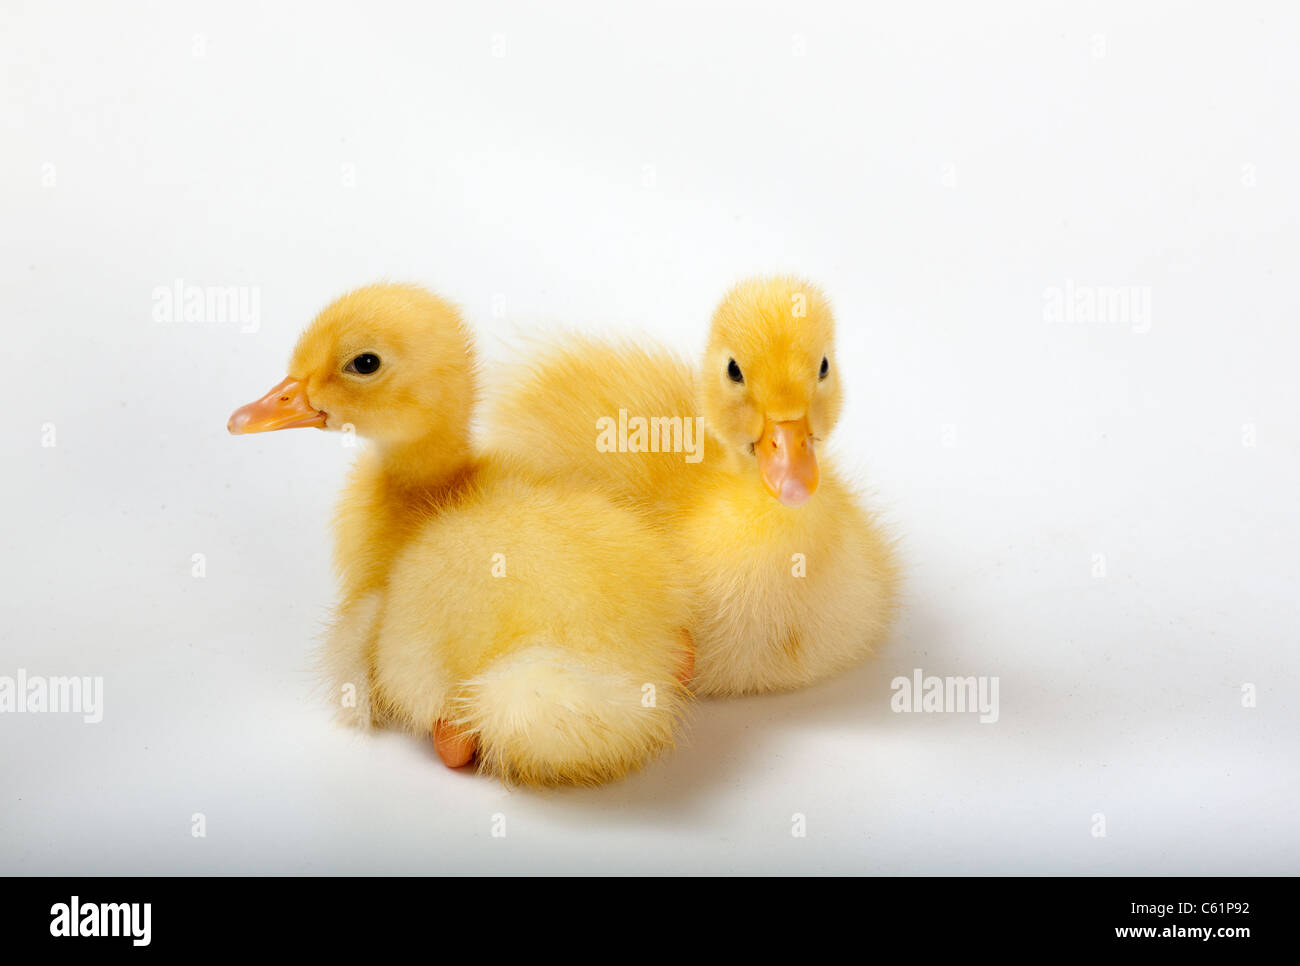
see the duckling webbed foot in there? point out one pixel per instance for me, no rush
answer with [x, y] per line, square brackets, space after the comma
[454, 748]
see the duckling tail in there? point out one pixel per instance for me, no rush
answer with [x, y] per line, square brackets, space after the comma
[544, 715]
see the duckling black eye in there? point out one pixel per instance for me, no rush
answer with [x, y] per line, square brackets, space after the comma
[733, 371]
[825, 369]
[364, 364]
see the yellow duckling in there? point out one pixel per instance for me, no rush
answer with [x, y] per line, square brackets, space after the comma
[540, 628]
[795, 579]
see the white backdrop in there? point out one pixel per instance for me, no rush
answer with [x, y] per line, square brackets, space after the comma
[1099, 511]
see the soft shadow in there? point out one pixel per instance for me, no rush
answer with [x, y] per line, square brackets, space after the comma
[727, 739]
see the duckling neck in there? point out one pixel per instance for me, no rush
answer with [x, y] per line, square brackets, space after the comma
[393, 489]
[431, 463]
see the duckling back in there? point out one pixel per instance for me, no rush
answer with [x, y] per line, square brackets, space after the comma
[556, 417]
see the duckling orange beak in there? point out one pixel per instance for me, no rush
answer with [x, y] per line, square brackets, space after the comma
[786, 461]
[284, 407]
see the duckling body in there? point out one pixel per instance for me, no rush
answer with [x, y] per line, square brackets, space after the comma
[789, 597]
[786, 595]
[539, 627]
[545, 624]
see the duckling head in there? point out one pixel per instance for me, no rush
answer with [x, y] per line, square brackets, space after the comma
[770, 390]
[388, 360]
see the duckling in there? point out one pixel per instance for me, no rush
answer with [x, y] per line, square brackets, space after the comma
[795, 580]
[535, 627]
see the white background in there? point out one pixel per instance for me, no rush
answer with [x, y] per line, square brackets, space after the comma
[937, 169]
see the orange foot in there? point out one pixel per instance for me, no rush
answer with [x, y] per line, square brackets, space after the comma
[455, 749]
[688, 661]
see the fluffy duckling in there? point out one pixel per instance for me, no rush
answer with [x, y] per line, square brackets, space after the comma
[539, 628]
[795, 579]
